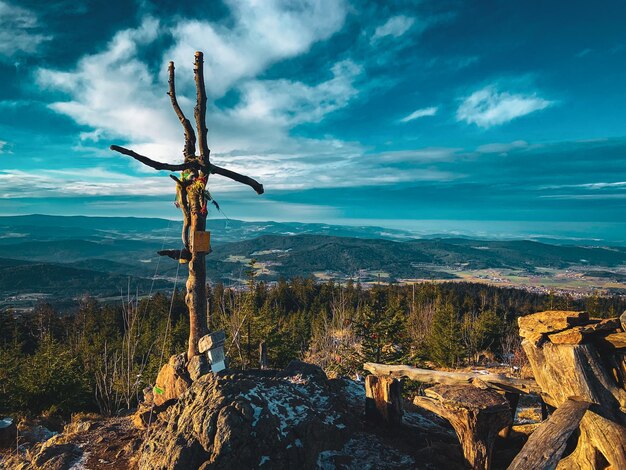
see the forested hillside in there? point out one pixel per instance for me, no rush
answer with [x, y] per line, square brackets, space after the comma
[101, 357]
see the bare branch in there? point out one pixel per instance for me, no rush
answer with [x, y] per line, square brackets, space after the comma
[254, 184]
[192, 165]
[176, 254]
[200, 109]
[190, 137]
[153, 163]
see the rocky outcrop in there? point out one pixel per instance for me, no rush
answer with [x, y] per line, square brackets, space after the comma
[295, 418]
[292, 418]
[173, 380]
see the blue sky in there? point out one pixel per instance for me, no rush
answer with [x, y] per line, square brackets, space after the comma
[494, 117]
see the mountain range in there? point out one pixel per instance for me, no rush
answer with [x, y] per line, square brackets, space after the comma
[60, 257]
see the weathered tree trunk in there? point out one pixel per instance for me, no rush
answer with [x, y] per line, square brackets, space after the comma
[196, 290]
[383, 400]
[546, 444]
[192, 199]
[477, 415]
[578, 367]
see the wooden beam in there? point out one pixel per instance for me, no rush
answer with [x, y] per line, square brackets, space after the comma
[546, 444]
[495, 381]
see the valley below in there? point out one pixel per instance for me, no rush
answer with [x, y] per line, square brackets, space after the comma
[59, 259]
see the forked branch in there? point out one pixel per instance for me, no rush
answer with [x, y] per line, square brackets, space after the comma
[190, 137]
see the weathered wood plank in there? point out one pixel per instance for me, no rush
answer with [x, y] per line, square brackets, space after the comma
[495, 381]
[546, 444]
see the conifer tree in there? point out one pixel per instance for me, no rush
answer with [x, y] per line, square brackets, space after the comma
[382, 330]
[445, 342]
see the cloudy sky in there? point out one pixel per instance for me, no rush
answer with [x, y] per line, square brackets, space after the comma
[491, 117]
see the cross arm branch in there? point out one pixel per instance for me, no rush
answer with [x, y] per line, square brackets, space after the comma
[191, 165]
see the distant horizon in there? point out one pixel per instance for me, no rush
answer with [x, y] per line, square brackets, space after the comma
[436, 228]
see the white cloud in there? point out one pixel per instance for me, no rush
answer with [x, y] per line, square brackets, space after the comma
[489, 107]
[115, 93]
[420, 113]
[497, 147]
[20, 31]
[262, 33]
[287, 103]
[118, 98]
[4, 146]
[395, 26]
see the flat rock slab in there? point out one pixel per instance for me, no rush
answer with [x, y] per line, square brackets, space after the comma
[616, 340]
[579, 334]
[550, 321]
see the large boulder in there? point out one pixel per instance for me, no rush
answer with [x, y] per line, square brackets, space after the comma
[282, 419]
[173, 380]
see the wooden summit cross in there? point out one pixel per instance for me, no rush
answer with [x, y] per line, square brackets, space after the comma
[192, 198]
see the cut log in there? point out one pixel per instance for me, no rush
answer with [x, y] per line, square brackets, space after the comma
[496, 381]
[566, 370]
[551, 321]
[477, 415]
[580, 334]
[622, 320]
[383, 400]
[546, 444]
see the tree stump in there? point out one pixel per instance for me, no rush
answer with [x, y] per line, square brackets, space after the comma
[383, 400]
[580, 364]
[477, 415]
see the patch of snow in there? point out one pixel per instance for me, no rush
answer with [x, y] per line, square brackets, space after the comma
[364, 450]
[80, 464]
[264, 459]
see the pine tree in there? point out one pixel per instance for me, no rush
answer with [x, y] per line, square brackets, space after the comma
[382, 329]
[445, 340]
